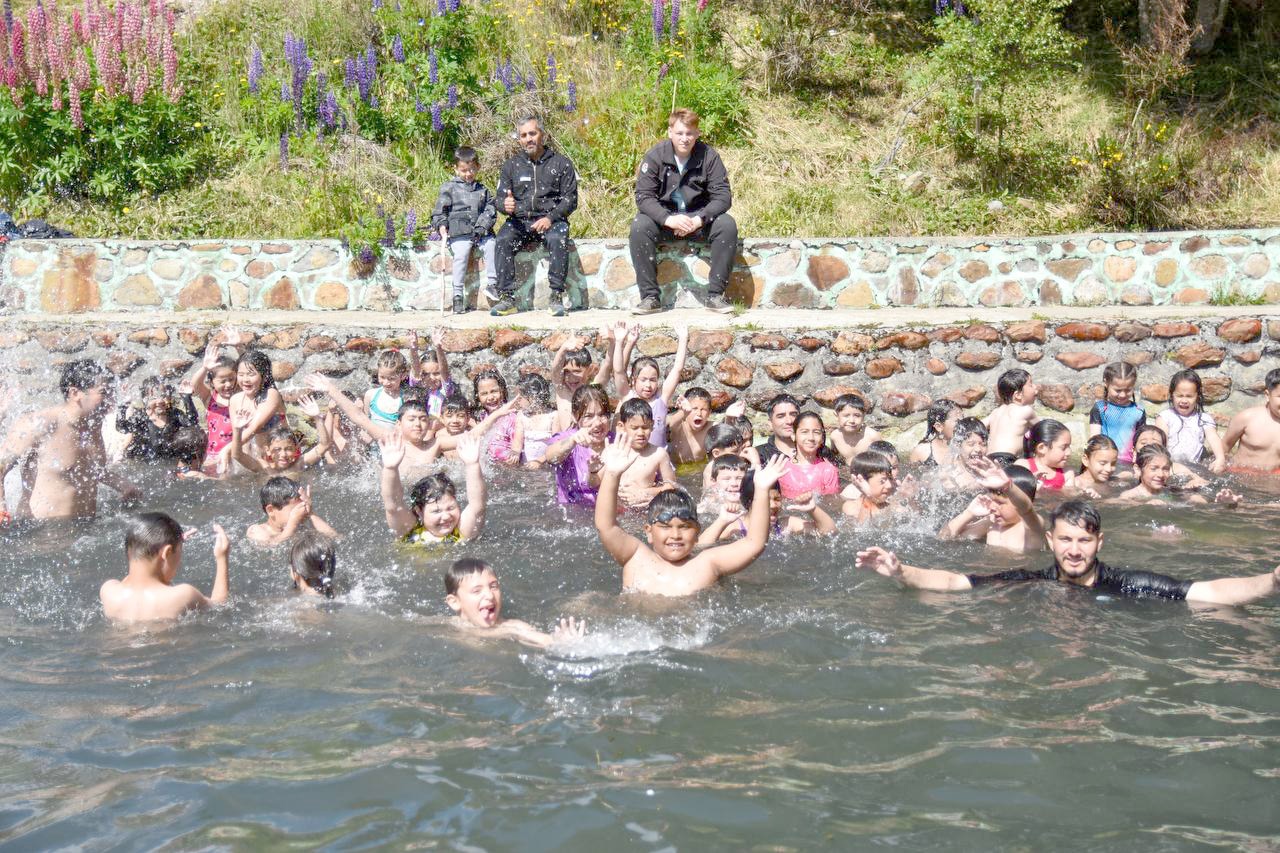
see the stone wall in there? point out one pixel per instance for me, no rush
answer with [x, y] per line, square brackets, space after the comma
[1129, 269]
[898, 370]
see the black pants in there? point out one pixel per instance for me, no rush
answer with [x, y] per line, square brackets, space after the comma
[722, 234]
[514, 235]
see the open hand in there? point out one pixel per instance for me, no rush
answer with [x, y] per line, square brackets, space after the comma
[982, 508]
[309, 406]
[392, 448]
[880, 561]
[240, 418]
[765, 477]
[469, 449]
[569, 630]
[320, 382]
[221, 542]
[210, 360]
[989, 475]
[618, 454]
[1226, 496]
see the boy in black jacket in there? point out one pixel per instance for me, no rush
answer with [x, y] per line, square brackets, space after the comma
[464, 215]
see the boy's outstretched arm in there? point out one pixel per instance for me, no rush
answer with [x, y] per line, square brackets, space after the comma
[400, 519]
[1235, 590]
[222, 571]
[616, 458]
[442, 358]
[677, 367]
[471, 524]
[605, 370]
[736, 556]
[311, 409]
[353, 411]
[886, 563]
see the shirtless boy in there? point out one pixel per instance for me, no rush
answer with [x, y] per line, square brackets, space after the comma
[288, 509]
[851, 435]
[153, 544]
[472, 592]
[687, 429]
[60, 450]
[1004, 516]
[415, 425]
[569, 370]
[1008, 423]
[1257, 431]
[652, 471]
[667, 564]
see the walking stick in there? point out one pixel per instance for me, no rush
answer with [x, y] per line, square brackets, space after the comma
[444, 252]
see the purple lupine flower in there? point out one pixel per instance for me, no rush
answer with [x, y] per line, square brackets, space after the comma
[8, 14]
[397, 49]
[327, 109]
[530, 84]
[659, 19]
[551, 72]
[437, 117]
[451, 5]
[377, 4]
[441, 7]
[572, 106]
[410, 224]
[662, 73]
[284, 150]
[349, 80]
[453, 96]
[366, 255]
[285, 94]
[675, 16]
[433, 66]
[389, 223]
[255, 70]
[418, 106]
[373, 101]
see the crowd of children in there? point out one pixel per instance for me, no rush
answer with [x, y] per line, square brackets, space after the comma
[806, 478]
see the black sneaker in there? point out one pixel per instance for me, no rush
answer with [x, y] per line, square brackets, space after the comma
[718, 304]
[647, 306]
[506, 306]
[459, 305]
[557, 303]
[490, 293]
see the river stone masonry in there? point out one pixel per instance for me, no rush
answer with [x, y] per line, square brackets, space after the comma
[70, 276]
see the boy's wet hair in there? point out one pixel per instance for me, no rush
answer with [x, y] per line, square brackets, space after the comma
[854, 401]
[1010, 383]
[743, 424]
[146, 533]
[314, 560]
[643, 362]
[430, 489]
[189, 444]
[1044, 432]
[1150, 452]
[722, 437]
[537, 389]
[489, 374]
[391, 359]
[81, 374]
[870, 462]
[729, 462]
[585, 395]
[1077, 513]
[1004, 460]
[780, 400]
[698, 393]
[1023, 479]
[1272, 380]
[747, 495]
[464, 568]
[414, 402]
[578, 357]
[880, 445]
[455, 403]
[966, 427]
[466, 154]
[673, 503]
[635, 407]
[283, 433]
[277, 492]
[258, 360]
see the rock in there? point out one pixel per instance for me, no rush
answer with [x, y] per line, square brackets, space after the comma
[936, 264]
[882, 368]
[122, 363]
[1138, 357]
[137, 290]
[746, 288]
[281, 296]
[1235, 241]
[733, 373]
[903, 403]
[1078, 360]
[172, 368]
[1256, 265]
[69, 287]
[619, 275]
[1119, 269]
[1249, 356]
[1191, 296]
[319, 343]
[1166, 272]
[670, 271]
[22, 267]
[1057, 397]
[703, 344]
[11, 339]
[1155, 248]
[1216, 387]
[784, 263]
[62, 341]
[791, 294]
[858, 295]
[283, 371]
[936, 366]
[1090, 291]
[827, 396]
[971, 271]
[281, 339]
[948, 295]
[238, 293]
[905, 339]
[655, 346]
[855, 343]
[507, 341]
[967, 398]
[589, 262]
[1083, 331]
[1050, 292]
[276, 248]
[1240, 330]
[1028, 356]
[1193, 244]
[1273, 329]
[362, 344]
[332, 295]
[839, 367]
[1129, 332]
[1026, 331]
[995, 206]
[1210, 266]
[1180, 329]
[156, 337]
[784, 371]
[465, 340]
[1006, 294]
[318, 257]
[873, 261]
[1136, 294]
[201, 294]
[1199, 354]
[977, 359]
[720, 400]
[480, 367]
[259, 268]
[809, 344]
[168, 268]
[1068, 268]
[982, 332]
[825, 271]
[907, 291]
[945, 335]
[1155, 392]
[761, 340]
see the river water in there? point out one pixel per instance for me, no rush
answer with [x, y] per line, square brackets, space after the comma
[800, 705]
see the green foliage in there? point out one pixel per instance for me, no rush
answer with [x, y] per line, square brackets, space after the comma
[1135, 179]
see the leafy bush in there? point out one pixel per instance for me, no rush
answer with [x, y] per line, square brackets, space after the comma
[1136, 179]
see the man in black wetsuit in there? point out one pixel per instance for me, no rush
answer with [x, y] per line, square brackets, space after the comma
[1075, 537]
[783, 411]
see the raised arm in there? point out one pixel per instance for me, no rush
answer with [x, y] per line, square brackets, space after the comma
[605, 370]
[264, 412]
[886, 563]
[557, 362]
[350, 408]
[222, 572]
[400, 519]
[239, 420]
[677, 367]
[311, 409]
[471, 524]
[196, 380]
[1235, 590]
[442, 358]
[616, 458]
[989, 475]
[20, 443]
[621, 384]
[415, 363]
[736, 556]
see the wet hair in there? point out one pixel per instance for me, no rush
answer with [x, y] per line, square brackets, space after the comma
[146, 533]
[537, 389]
[780, 400]
[1118, 371]
[672, 501]
[1192, 377]
[885, 447]
[1044, 432]
[283, 433]
[430, 489]
[1095, 444]
[643, 362]
[277, 492]
[1023, 479]
[466, 154]
[811, 416]
[415, 402]
[966, 427]
[1146, 428]
[189, 444]
[1010, 383]
[855, 401]
[697, 392]
[313, 559]
[489, 374]
[224, 362]
[257, 359]
[743, 424]
[81, 374]
[578, 357]
[464, 568]
[154, 386]
[1004, 460]
[748, 494]
[1077, 513]
[584, 396]
[937, 415]
[1272, 380]
[729, 462]
[870, 462]
[456, 403]
[392, 360]
[1151, 451]
[722, 437]
[635, 407]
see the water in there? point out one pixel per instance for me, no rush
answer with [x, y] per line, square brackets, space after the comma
[799, 705]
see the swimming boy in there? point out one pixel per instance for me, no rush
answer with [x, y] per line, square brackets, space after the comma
[688, 428]
[60, 450]
[472, 592]
[1009, 421]
[851, 435]
[1003, 516]
[652, 471]
[1075, 537]
[666, 565]
[415, 424]
[569, 368]
[153, 545]
[288, 509]
[1257, 431]
[871, 486]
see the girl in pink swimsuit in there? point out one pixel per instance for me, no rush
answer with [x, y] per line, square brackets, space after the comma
[809, 473]
[1048, 446]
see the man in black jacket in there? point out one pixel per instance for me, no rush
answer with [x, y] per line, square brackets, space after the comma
[537, 189]
[682, 192]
